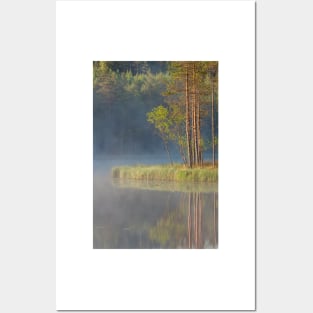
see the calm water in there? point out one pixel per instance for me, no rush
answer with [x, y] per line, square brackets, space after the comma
[138, 215]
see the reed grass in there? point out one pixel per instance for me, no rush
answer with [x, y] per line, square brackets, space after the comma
[175, 172]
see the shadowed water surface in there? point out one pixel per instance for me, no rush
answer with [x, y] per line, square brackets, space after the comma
[142, 215]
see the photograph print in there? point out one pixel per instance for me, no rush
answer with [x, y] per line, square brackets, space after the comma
[155, 155]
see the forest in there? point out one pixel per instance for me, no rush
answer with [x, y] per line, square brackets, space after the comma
[144, 107]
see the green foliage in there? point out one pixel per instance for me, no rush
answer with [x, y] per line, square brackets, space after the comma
[159, 117]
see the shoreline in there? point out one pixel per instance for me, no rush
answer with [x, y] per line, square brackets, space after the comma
[170, 173]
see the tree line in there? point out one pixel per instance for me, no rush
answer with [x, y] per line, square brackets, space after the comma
[121, 99]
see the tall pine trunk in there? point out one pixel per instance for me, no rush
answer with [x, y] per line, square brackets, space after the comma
[194, 117]
[187, 118]
[198, 129]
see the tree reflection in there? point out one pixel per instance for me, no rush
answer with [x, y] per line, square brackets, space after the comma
[192, 224]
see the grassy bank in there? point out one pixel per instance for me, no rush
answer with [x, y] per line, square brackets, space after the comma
[177, 173]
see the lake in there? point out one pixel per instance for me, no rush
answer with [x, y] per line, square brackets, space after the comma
[151, 215]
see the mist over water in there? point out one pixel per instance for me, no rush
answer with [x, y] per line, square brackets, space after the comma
[138, 218]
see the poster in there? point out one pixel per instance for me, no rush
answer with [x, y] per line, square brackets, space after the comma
[137, 260]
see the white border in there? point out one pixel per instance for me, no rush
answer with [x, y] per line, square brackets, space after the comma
[222, 279]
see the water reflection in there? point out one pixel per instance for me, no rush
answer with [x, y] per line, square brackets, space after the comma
[192, 224]
[138, 218]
